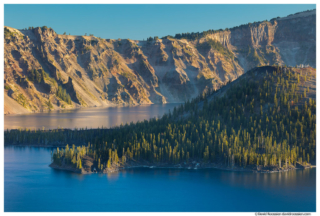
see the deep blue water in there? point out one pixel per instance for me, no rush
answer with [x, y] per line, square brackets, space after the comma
[30, 185]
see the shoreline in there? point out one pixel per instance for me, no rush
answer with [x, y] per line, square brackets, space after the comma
[195, 165]
[40, 145]
[36, 146]
[73, 108]
[90, 107]
[167, 166]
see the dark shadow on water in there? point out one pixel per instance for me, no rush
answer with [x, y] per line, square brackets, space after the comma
[31, 185]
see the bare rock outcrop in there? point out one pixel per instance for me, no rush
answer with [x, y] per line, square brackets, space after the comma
[44, 69]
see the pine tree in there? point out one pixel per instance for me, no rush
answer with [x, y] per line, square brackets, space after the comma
[109, 163]
[80, 164]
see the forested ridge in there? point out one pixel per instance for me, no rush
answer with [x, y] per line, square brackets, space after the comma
[266, 117]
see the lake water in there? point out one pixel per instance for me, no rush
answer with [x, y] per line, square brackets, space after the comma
[31, 185]
[87, 117]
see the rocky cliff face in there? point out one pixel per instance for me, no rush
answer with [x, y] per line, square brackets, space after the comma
[45, 71]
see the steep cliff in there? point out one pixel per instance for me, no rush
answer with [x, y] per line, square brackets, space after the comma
[45, 70]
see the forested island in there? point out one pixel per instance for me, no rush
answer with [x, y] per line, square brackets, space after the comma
[265, 121]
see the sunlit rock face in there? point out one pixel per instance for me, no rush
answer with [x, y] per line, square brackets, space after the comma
[43, 69]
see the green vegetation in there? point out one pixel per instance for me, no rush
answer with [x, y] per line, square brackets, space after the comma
[8, 33]
[205, 73]
[50, 60]
[49, 105]
[256, 57]
[87, 48]
[187, 51]
[22, 100]
[62, 93]
[260, 119]
[72, 155]
[253, 55]
[128, 75]
[37, 76]
[40, 76]
[7, 87]
[149, 39]
[212, 44]
[198, 35]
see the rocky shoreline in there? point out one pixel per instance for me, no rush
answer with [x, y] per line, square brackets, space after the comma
[78, 107]
[193, 165]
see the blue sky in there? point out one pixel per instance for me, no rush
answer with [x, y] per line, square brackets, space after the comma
[141, 21]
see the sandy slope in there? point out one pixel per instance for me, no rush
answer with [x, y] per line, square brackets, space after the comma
[11, 106]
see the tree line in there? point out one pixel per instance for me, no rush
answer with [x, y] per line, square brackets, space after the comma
[254, 121]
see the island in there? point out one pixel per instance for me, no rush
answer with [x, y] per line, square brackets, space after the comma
[88, 165]
[262, 122]
[265, 121]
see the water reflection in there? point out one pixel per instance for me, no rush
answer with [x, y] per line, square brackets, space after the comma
[31, 185]
[86, 117]
[248, 180]
[111, 177]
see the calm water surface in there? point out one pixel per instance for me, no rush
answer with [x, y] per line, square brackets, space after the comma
[87, 117]
[30, 185]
